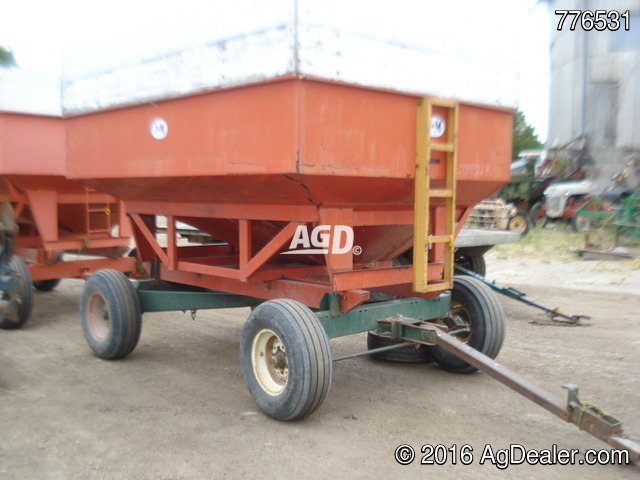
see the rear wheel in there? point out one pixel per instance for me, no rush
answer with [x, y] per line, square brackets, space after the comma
[286, 359]
[110, 314]
[538, 215]
[478, 316]
[46, 285]
[580, 223]
[475, 263]
[51, 284]
[18, 296]
[412, 354]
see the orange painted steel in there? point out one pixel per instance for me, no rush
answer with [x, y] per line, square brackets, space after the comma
[54, 214]
[249, 165]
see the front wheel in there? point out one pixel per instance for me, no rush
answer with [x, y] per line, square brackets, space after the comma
[18, 296]
[286, 359]
[519, 224]
[110, 314]
[479, 318]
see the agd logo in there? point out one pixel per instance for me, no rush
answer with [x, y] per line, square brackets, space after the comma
[338, 238]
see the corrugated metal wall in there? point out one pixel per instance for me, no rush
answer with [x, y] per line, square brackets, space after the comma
[595, 90]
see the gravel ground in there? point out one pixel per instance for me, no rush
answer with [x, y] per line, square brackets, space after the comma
[177, 408]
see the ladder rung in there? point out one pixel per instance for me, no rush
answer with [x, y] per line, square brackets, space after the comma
[440, 239]
[435, 193]
[437, 287]
[441, 147]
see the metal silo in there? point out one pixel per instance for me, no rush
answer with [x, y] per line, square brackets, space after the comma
[595, 87]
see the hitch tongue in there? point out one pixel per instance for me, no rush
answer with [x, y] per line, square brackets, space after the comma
[598, 423]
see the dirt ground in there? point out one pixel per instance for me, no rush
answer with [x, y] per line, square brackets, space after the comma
[178, 407]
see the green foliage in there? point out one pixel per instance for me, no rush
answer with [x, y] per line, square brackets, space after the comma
[6, 58]
[524, 135]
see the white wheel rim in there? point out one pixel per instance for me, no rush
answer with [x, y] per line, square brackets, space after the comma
[269, 361]
[97, 315]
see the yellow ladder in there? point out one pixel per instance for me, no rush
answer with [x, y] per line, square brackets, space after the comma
[98, 215]
[422, 238]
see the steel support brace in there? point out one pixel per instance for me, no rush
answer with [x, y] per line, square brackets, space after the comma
[588, 418]
[166, 297]
[366, 317]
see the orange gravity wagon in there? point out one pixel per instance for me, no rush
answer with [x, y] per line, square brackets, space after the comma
[335, 207]
[334, 204]
[45, 215]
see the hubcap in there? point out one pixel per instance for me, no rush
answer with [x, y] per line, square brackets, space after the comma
[98, 316]
[269, 361]
[517, 224]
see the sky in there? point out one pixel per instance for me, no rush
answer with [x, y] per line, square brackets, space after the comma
[39, 32]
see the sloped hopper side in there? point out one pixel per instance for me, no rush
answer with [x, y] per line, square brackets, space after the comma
[292, 149]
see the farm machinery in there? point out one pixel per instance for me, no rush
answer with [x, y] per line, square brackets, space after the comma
[337, 184]
[50, 227]
[617, 212]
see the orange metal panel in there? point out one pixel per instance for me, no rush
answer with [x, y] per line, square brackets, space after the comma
[484, 145]
[43, 204]
[356, 132]
[279, 142]
[32, 145]
[249, 130]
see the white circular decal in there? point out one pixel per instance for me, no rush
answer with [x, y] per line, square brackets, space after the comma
[159, 128]
[438, 125]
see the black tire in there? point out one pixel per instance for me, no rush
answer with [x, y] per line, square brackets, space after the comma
[110, 314]
[412, 354]
[293, 380]
[580, 223]
[46, 285]
[473, 303]
[21, 296]
[519, 223]
[538, 215]
[49, 285]
[475, 263]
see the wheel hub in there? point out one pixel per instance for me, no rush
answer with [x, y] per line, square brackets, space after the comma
[269, 361]
[98, 316]
[458, 323]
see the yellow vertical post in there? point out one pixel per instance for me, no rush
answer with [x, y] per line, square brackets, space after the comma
[450, 205]
[421, 198]
[422, 238]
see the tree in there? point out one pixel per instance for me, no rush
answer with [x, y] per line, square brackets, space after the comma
[524, 135]
[6, 58]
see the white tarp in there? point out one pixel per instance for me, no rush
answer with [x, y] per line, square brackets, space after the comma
[422, 47]
[22, 91]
